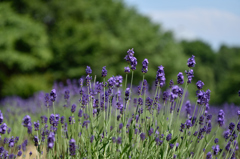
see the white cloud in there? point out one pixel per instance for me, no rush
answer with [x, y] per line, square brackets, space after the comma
[212, 25]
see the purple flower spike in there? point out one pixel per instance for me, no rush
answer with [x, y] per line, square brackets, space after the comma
[119, 140]
[142, 136]
[169, 137]
[239, 93]
[180, 78]
[51, 140]
[104, 71]
[36, 125]
[92, 138]
[191, 61]
[160, 77]
[1, 117]
[111, 81]
[145, 66]
[130, 53]
[27, 121]
[188, 107]
[74, 106]
[88, 70]
[118, 80]
[216, 149]
[200, 84]
[53, 95]
[171, 83]
[189, 75]
[72, 147]
[133, 63]
[126, 69]
[221, 118]
[66, 94]
[209, 155]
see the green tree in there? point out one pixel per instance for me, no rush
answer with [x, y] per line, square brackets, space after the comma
[98, 33]
[23, 50]
[228, 74]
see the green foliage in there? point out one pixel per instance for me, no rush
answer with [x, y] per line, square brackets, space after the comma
[23, 49]
[227, 74]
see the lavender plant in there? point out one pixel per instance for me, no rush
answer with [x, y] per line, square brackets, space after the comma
[102, 119]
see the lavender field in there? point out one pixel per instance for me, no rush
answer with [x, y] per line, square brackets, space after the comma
[112, 118]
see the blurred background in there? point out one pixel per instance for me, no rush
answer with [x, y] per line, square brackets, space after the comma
[42, 41]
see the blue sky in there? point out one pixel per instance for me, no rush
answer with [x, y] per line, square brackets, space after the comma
[214, 21]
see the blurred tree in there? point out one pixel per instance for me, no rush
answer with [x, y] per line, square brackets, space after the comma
[23, 49]
[98, 33]
[227, 70]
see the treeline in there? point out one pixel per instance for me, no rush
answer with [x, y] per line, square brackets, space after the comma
[43, 41]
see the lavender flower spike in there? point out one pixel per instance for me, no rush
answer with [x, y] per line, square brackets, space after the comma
[104, 71]
[191, 61]
[180, 78]
[145, 66]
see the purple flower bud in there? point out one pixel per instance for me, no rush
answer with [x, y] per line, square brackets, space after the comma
[180, 78]
[145, 66]
[129, 55]
[238, 127]
[27, 121]
[221, 118]
[216, 149]
[200, 84]
[188, 124]
[66, 94]
[111, 81]
[62, 120]
[44, 119]
[160, 77]
[216, 140]
[142, 136]
[126, 69]
[119, 140]
[209, 155]
[118, 81]
[140, 101]
[231, 126]
[188, 107]
[53, 95]
[73, 108]
[1, 117]
[171, 83]
[169, 137]
[191, 62]
[88, 70]
[72, 147]
[104, 71]
[36, 125]
[35, 139]
[120, 126]
[80, 82]
[189, 75]
[11, 142]
[133, 62]
[92, 138]
[51, 140]
[19, 153]
[80, 113]
[150, 132]
[165, 96]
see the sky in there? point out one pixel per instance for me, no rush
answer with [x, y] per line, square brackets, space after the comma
[213, 21]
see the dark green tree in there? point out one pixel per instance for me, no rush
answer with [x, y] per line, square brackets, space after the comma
[24, 51]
